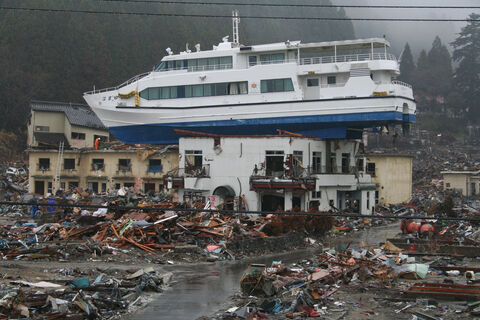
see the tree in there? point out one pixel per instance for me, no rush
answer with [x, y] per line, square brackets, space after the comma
[467, 76]
[407, 66]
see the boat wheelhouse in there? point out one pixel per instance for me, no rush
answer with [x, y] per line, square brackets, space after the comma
[331, 89]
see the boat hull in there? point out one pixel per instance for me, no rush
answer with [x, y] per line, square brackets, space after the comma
[328, 118]
[327, 126]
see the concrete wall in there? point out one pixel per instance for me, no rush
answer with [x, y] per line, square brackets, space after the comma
[89, 135]
[462, 181]
[232, 162]
[55, 121]
[393, 176]
[111, 176]
[58, 123]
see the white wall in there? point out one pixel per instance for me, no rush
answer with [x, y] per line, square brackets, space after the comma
[232, 163]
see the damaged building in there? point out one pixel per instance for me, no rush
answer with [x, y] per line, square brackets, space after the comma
[78, 163]
[272, 173]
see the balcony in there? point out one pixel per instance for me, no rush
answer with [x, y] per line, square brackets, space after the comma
[260, 183]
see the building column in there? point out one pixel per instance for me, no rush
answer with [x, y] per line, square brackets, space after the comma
[288, 200]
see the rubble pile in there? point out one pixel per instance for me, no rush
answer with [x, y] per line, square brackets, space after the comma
[364, 281]
[72, 294]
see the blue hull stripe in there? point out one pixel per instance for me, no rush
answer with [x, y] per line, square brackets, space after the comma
[324, 126]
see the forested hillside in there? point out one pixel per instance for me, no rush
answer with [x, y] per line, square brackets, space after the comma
[58, 55]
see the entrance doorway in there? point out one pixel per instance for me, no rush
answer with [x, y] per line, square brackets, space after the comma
[272, 202]
[40, 187]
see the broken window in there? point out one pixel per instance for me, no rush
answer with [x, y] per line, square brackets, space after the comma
[274, 163]
[73, 184]
[155, 165]
[93, 186]
[124, 165]
[298, 162]
[317, 162]
[193, 160]
[78, 135]
[69, 164]
[371, 168]
[333, 162]
[149, 187]
[360, 164]
[42, 128]
[98, 165]
[44, 164]
[345, 162]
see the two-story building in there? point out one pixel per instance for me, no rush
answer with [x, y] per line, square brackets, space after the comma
[109, 167]
[392, 174]
[467, 182]
[270, 173]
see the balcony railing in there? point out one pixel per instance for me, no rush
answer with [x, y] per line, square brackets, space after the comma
[124, 168]
[154, 169]
[98, 167]
[43, 167]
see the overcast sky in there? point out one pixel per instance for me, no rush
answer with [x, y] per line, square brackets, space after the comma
[419, 35]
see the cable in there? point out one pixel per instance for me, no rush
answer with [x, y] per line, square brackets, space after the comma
[229, 16]
[291, 5]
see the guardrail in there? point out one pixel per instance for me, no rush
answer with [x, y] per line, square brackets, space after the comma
[402, 83]
[135, 78]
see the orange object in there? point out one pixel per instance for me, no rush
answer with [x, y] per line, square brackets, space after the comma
[426, 228]
[97, 142]
[412, 247]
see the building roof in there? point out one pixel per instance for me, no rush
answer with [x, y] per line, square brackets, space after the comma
[77, 114]
[50, 139]
[388, 155]
[466, 172]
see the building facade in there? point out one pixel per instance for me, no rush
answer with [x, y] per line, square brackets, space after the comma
[392, 173]
[271, 173]
[110, 167]
[467, 182]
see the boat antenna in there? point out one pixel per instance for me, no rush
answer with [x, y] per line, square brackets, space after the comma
[236, 21]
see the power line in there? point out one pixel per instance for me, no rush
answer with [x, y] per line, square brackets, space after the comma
[229, 16]
[292, 5]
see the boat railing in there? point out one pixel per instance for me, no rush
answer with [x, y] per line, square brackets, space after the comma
[131, 80]
[329, 59]
[200, 68]
[401, 83]
[348, 58]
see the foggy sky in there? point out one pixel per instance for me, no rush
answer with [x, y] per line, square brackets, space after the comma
[419, 35]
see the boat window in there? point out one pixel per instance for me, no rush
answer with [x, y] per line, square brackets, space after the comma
[276, 85]
[153, 93]
[196, 64]
[312, 82]
[331, 80]
[252, 60]
[197, 91]
[201, 90]
[272, 58]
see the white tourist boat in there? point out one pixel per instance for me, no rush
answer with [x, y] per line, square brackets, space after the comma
[326, 89]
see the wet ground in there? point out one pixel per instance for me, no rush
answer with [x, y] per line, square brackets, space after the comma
[203, 289]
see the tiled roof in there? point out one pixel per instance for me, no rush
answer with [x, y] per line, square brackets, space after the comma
[50, 139]
[77, 114]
